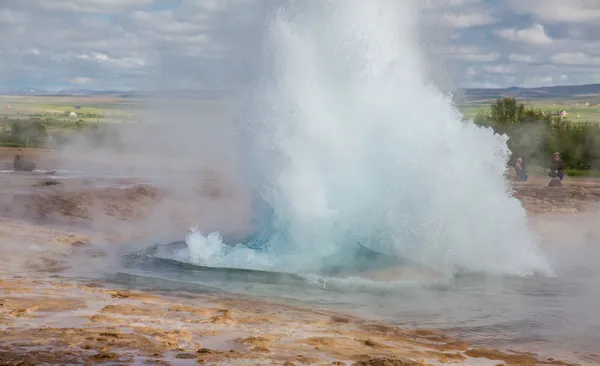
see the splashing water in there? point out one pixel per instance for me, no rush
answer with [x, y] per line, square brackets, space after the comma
[359, 152]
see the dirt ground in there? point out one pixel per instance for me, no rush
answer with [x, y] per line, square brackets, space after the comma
[47, 318]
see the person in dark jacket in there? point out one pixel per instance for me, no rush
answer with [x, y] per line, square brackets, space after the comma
[557, 167]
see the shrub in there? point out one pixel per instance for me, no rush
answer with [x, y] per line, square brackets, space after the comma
[536, 135]
[583, 173]
[31, 133]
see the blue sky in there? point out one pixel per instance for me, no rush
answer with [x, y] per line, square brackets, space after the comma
[106, 44]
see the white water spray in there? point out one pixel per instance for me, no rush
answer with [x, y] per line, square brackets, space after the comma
[365, 152]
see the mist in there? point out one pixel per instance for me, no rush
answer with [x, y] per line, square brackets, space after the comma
[327, 136]
[322, 126]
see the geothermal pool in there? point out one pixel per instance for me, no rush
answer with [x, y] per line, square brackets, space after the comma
[555, 316]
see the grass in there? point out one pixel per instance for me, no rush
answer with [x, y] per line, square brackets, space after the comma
[583, 173]
[61, 108]
[470, 111]
[537, 170]
[575, 113]
[576, 109]
[54, 109]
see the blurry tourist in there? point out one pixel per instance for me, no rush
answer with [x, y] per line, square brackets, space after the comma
[520, 170]
[557, 167]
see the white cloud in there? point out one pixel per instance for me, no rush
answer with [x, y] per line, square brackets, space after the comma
[81, 80]
[122, 62]
[499, 69]
[469, 53]
[537, 81]
[478, 57]
[441, 4]
[471, 72]
[91, 6]
[30, 51]
[8, 17]
[467, 20]
[166, 22]
[593, 48]
[559, 11]
[517, 57]
[191, 42]
[576, 58]
[536, 35]
[483, 85]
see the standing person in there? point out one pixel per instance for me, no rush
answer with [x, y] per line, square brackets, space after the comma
[521, 170]
[557, 167]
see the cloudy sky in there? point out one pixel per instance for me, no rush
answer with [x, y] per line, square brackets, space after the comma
[100, 44]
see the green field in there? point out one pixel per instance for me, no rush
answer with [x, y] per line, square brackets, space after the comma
[36, 121]
[577, 110]
[55, 111]
[58, 109]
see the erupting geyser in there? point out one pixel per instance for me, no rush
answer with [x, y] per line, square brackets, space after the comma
[357, 151]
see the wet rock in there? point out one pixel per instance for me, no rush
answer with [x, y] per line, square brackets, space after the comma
[257, 341]
[339, 319]
[78, 244]
[373, 344]
[106, 356]
[126, 309]
[21, 305]
[555, 182]
[509, 358]
[130, 295]
[307, 359]
[224, 318]
[388, 361]
[34, 358]
[19, 313]
[47, 183]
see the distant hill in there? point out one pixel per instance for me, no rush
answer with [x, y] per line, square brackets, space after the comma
[41, 92]
[547, 92]
[209, 94]
[465, 95]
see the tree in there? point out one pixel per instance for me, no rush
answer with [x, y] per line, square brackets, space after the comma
[29, 133]
[525, 127]
[536, 135]
[507, 111]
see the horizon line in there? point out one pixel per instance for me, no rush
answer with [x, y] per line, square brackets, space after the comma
[116, 90]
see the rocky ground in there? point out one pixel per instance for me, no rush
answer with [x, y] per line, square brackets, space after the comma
[94, 325]
[50, 226]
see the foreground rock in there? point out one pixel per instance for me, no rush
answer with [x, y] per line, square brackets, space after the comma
[94, 325]
[570, 197]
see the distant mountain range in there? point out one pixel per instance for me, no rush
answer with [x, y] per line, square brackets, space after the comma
[467, 95]
[121, 93]
[546, 92]
[34, 91]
